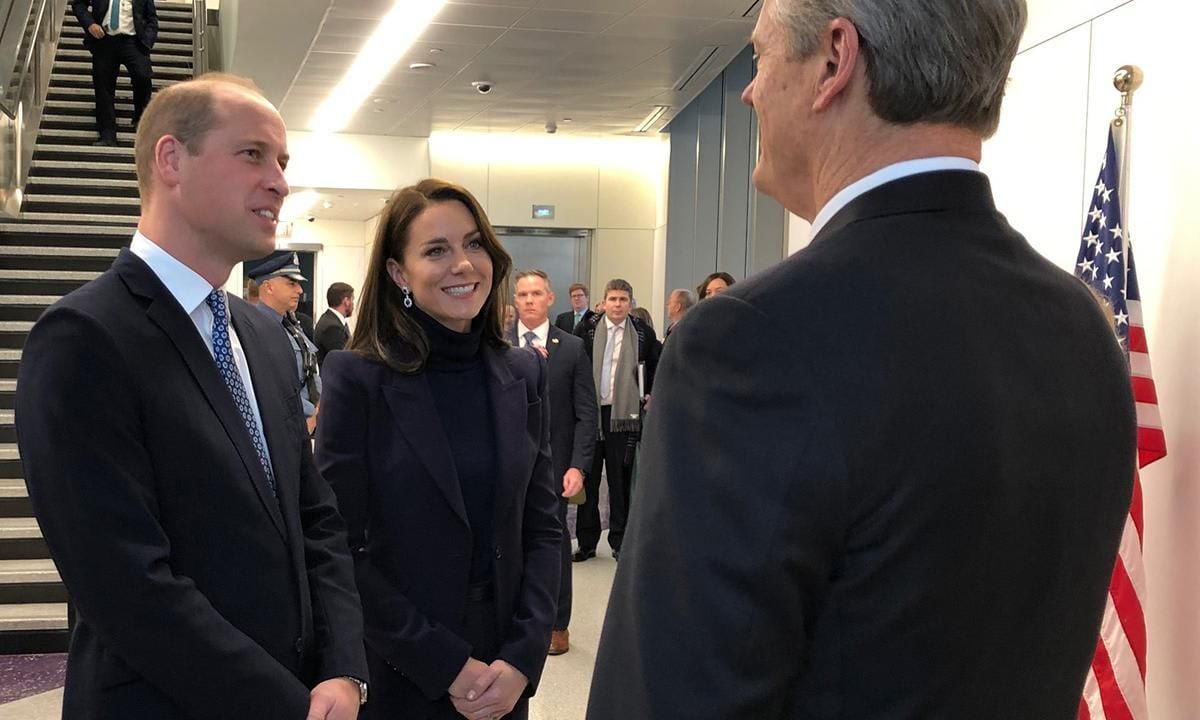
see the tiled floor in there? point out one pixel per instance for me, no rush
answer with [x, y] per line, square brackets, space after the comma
[565, 682]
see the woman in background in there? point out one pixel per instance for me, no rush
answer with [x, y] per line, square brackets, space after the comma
[714, 284]
[434, 435]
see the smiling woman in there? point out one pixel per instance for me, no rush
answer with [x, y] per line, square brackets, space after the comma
[434, 434]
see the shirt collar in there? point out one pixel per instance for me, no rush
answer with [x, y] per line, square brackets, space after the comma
[612, 326]
[885, 175]
[185, 284]
[541, 331]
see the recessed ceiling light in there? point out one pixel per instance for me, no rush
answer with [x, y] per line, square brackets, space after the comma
[327, 204]
[436, 51]
[420, 66]
[652, 118]
[566, 120]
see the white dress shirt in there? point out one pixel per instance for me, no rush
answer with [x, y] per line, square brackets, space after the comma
[191, 292]
[125, 26]
[895, 171]
[617, 334]
[541, 331]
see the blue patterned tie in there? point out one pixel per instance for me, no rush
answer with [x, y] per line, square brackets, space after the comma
[114, 19]
[223, 355]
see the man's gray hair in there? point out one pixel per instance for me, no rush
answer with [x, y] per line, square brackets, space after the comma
[684, 297]
[620, 285]
[935, 61]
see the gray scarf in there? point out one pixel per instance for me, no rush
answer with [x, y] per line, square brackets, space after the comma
[627, 401]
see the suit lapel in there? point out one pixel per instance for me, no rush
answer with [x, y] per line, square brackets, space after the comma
[509, 409]
[416, 416]
[165, 312]
[274, 427]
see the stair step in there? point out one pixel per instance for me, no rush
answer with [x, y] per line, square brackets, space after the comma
[33, 616]
[19, 528]
[66, 252]
[72, 52]
[28, 571]
[84, 69]
[126, 222]
[136, 203]
[84, 106]
[114, 230]
[47, 275]
[50, 170]
[14, 326]
[13, 487]
[122, 153]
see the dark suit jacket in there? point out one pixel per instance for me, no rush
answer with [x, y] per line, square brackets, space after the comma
[198, 593]
[566, 321]
[903, 501]
[331, 334]
[381, 448]
[145, 21]
[574, 415]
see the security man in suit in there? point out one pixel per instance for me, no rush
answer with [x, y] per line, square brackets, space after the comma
[166, 456]
[569, 320]
[573, 415]
[890, 473]
[279, 292]
[118, 32]
[333, 332]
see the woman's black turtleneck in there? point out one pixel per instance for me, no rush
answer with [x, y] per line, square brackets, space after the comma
[458, 380]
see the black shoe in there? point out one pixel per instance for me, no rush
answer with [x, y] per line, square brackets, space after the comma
[580, 555]
[105, 142]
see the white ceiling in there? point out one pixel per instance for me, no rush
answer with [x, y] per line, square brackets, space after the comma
[604, 64]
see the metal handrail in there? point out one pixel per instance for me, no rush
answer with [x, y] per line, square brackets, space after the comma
[199, 38]
[30, 55]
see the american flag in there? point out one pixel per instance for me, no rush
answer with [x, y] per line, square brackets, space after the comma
[1116, 684]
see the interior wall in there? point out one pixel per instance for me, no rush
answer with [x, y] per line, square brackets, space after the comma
[343, 256]
[1043, 163]
[716, 219]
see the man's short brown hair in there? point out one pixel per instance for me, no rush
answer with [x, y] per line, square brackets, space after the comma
[185, 111]
[578, 286]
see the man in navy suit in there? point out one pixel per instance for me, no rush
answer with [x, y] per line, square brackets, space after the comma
[574, 417]
[890, 473]
[118, 32]
[569, 320]
[164, 448]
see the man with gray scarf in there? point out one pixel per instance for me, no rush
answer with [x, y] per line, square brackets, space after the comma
[624, 354]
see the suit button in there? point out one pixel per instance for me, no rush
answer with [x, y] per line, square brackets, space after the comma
[499, 552]
[299, 646]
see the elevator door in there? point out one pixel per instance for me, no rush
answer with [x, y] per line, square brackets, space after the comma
[562, 254]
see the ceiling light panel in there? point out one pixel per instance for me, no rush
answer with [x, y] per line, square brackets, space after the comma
[393, 36]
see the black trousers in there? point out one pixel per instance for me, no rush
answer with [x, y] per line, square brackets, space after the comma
[563, 619]
[611, 456]
[108, 55]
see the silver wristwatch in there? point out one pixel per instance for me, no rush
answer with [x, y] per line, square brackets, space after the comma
[362, 688]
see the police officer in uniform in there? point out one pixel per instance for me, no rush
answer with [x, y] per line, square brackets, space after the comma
[279, 292]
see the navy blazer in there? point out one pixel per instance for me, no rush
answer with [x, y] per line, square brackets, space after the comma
[199, 594]
[380, 446]
[145, 21]
[890, 477]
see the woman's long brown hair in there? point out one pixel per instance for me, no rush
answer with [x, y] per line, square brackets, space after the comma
[385, 331]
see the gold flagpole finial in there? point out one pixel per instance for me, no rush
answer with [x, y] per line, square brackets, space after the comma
[1127, 79]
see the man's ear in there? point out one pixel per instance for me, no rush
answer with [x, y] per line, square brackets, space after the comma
[168, 160]
[841, 50]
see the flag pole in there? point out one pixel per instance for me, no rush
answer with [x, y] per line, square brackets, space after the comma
[1127, 79]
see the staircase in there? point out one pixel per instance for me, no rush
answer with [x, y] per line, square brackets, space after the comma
[80, 207]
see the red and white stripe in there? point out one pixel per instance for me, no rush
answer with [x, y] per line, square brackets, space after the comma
[1116, 683]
